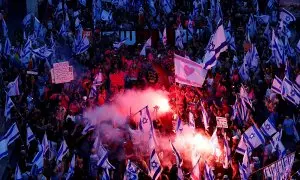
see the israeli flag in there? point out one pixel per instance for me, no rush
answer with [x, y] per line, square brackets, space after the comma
[167, 6]
[246, 161]
[283, 30]
[26, 52]
[38, 163]
[82, 45]
[297, 94]
[243, 172]
[208, 173]
[271, 4]
[179, 126]
[262, 19]
[30, 136]
[217, 44]
[42, 52]
[3, 148]
[277, 145]
[5, 30]
[286, 16]
[227, 154]
[13, 88]
[7, 47]
[267, 33]
[27, 20]
[39, 29]
[105, 175]
[97, 6]
[179, 160]
[8, 106]
[146, 45]
[205, 117]
[288, 91]
[63, 150]
[190, 28]
[278, 49]
[253, 137]
[151, 6]
[77, 24]
[71, 168]
[219, 13]
[192, 120]
[298, 46]
[106, 16]
[45, 144]
[63, 31]
[12, 134]
[179, 37]
[251, 26]
[131, 172]
[59, 9]
[267, 128]
[82, 2]
[155, 167]
[103, 158]
[89, 127]
[215, 144]
[276, 85]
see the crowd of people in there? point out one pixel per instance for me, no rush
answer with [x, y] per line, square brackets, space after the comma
[55, 110]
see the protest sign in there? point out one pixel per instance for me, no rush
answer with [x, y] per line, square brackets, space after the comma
[62, 72]
[280, 169]
[222, 122]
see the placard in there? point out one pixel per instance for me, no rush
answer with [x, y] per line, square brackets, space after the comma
[62, 72]
[222, 122]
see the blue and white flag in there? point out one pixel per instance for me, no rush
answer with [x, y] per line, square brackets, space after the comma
[82, 2]
[288, 92]
[45, 144]
[26, 52]
[77, 24]
[251, 26]
[271, 4]
[12, 134]
[42, 52]
[283, 30]
[71, 169]
[29, 136]
[167, 6]
[278, 50]
[208, 173]
[155, 167]
[216, 45]
[82, 45]
[13, 88]
[7, 47]
[151, 6]
[253, 137]
[246, 161]
[244, 69]
[63, 31]
[59, 9]
[276, 85]
[190, 28]
[179, 37]
[4, 27]
[145, 124]
[298, 46]
[192, 121]
[227, 154]
[252, 58]
[146, 45]
[215, 144]
[27, 20]
[97, 6]
[63, 150]
[39, 29]
[179, 160]
[103, 158]
[267, 33]
[131, 172]
[219, 13]
[243, 172]
[286, 16]
[179, 126]
[277, 145]
[18, 174]
[267, 128]
[262, 19]
[8, 106]
[88, 127]
[105, 174]
[38, 163]
[3, 148]
[205, 117]
[106, 15]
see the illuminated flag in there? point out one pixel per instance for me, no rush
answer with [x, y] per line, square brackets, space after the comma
[154, 166]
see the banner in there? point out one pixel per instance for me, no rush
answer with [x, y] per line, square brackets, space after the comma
[280, 169]
[221, 122]
[188, 72]
[62, 72]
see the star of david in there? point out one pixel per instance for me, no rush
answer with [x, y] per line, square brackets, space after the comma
[252, 135]
[211, 47]
[131, 176]
[145, 120]
[154, 164]
[268, 127]
[131, 169]
[287, 18]
[293, 92]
